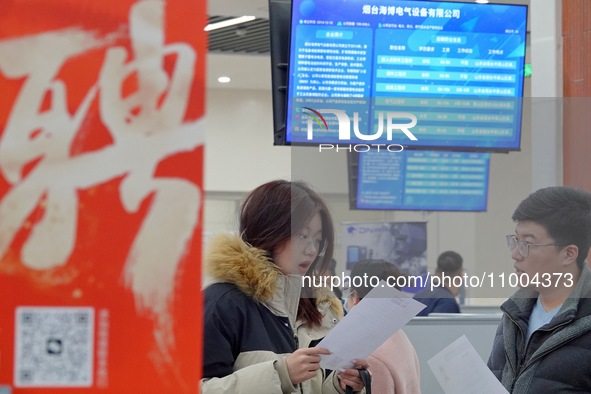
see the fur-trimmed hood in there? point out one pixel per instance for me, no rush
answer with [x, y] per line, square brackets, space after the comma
[229, 259]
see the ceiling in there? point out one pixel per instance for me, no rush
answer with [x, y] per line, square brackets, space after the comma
[241, 52]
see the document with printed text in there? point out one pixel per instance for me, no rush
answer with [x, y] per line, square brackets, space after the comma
[376, 318]
[460, 370]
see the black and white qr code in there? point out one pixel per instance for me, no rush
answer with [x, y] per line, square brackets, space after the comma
[54, 347]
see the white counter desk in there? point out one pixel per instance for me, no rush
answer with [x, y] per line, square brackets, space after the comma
[429, 335]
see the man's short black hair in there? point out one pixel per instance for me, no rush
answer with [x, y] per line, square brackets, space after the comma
[564, 212]
[450, 262]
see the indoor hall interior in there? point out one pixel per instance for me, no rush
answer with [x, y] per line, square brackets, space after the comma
[240, 155]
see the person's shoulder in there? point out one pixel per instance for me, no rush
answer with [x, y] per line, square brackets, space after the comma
[446, 305]
[436, 292]
[221, 289]
[400, 345]
[226, 303]
[222, 294]
[398, 340]
[425, 293]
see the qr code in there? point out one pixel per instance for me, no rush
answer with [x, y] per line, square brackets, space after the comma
[54, 347]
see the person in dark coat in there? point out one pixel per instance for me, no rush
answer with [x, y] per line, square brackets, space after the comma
[543, 343]
[442, 298]
[261, 324]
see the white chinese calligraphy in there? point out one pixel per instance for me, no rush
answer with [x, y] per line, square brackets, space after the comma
[146, 127]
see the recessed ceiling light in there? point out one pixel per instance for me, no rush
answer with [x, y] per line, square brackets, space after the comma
[229, 22]
[482, 1]
[224, 79]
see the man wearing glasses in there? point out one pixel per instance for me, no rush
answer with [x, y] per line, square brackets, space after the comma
[543, 344]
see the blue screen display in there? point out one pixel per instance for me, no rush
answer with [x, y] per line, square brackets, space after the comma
[422, 180]
[448, 74]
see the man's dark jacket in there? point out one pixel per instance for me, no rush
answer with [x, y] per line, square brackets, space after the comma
[557, 358]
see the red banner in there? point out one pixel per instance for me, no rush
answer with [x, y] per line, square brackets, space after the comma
[101, 179]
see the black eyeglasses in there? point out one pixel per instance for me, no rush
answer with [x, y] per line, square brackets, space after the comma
[522, 246]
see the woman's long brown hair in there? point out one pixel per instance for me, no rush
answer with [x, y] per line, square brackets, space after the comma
[272, 213]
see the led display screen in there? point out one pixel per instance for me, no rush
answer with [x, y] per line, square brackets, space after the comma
[423, 74]
[419, 180]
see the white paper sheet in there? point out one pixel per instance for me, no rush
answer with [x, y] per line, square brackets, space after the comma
[460, 370]
[376, 318]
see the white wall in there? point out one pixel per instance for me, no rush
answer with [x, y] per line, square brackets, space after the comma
[239, 152]
[546, 57]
